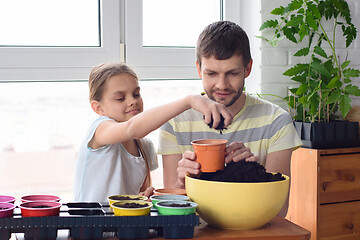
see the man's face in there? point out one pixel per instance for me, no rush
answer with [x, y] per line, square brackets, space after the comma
[223, 80]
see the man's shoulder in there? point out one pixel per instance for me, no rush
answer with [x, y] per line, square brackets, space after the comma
[187, 116]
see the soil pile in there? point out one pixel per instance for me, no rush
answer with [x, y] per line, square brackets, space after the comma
[132, 205]
[221, 125]
[242, 171]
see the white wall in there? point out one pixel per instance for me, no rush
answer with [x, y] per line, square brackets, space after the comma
[276, 60]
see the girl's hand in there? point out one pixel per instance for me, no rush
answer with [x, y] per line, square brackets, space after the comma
[148, 192]
[211, 110]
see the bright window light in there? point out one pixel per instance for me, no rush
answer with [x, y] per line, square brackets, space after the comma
[49, 23]
[171, 23]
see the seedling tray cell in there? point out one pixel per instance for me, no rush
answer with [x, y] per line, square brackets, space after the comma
[93, 220]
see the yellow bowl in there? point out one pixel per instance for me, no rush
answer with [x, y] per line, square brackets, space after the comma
[120, 210]
[237, 205]
[117, 198]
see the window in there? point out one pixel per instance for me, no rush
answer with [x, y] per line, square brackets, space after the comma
[70, 59]
[164, 24]
[161, 59]
[50, 23]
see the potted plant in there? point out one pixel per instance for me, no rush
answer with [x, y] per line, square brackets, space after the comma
[321, 99]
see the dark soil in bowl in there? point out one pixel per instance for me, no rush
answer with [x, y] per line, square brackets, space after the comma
[125, 198]
[3, 208]
[242, 171]
[131, 205]
[176, 205]
[41, 206]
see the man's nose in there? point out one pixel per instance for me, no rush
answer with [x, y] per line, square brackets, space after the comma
[222, 82]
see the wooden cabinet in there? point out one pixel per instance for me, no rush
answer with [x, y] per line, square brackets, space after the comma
[325, 192]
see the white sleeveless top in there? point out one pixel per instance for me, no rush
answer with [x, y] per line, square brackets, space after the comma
[110, 170]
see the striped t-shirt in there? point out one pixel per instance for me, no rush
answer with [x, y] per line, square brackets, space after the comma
[262, 126]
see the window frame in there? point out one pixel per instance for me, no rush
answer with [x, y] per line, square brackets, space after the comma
[64, 63]
[164, 62]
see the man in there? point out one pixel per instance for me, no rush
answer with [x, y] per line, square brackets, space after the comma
[260, 131]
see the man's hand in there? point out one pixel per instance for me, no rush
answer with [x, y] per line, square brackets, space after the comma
[187, 165]
[237, 151]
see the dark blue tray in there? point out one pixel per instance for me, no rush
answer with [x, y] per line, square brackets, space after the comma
[93, 220]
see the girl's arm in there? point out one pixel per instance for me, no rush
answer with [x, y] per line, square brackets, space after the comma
[111, 132]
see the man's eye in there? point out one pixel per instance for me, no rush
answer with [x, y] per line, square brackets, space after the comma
[137, 95]
[234, 73]
[120, 99]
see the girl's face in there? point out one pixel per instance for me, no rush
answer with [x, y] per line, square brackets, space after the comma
[121, 99]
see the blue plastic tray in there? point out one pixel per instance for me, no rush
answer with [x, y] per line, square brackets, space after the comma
[86, 220]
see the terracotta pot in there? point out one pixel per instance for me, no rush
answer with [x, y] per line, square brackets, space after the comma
[210, 153]
[170, 191]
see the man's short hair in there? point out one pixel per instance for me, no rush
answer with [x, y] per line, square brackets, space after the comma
[222, 40]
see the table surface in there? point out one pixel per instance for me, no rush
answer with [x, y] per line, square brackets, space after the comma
[277, 229]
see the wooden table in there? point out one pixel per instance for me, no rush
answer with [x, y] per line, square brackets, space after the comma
[277, 229]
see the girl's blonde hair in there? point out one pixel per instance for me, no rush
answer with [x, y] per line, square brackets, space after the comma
[101, 73]
[97, 81]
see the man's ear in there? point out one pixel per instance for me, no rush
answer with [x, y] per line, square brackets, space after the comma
[248, 68]
[96, 106]
[198, 69]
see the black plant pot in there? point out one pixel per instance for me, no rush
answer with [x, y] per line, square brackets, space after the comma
[321, 135]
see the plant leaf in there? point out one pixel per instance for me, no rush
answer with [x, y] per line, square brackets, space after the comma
[347, 80]
[345, 64]
[334, 96]
[311, 22]
[297, 69]
[302, 89]
[351, 72]
[314, 10]
[345, 105]
[318, 50]
[289, 34]
[334, 82]
[319, 68]
[299, 78]
[295, 21]
[269, 24]
[302, 52]
[278, 11]
[352, 90]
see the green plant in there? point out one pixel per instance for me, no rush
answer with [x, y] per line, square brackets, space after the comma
[324, 82]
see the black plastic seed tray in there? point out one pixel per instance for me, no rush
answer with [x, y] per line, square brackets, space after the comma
[92, 220]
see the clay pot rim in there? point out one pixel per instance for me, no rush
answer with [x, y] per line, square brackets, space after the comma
[209, 142]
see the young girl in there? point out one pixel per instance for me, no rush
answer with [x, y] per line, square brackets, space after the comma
[114, 157]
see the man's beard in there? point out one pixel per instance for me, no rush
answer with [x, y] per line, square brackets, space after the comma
[233, 100]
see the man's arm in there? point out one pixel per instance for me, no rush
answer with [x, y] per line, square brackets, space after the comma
[170, 174]
[280, 162]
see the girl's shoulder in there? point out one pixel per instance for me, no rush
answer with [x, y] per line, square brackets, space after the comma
[147, 143]
[99, 120]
